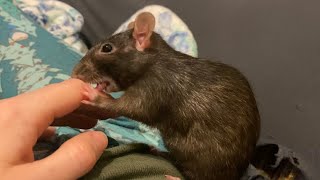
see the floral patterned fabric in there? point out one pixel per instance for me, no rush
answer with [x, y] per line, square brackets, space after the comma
[58, 18]
[171, 28]
[30, 57]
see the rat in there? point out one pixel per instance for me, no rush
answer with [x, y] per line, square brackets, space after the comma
[205, 110]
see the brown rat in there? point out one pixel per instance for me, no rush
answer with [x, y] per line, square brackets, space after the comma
[205, 110]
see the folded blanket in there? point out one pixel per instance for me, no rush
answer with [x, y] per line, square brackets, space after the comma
[58, 18]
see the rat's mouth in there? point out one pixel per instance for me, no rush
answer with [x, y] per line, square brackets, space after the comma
[105, 86]
[101, 87]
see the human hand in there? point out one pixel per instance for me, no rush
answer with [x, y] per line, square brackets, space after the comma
[24, 118]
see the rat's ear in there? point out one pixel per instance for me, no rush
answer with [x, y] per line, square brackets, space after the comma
[143, 28]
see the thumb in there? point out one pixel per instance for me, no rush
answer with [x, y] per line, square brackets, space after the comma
[73, 159]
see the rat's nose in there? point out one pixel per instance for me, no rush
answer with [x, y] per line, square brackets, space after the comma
[74, 75]
[77, 74]
[78, 71]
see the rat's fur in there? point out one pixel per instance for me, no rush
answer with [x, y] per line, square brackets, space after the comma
[205, 110]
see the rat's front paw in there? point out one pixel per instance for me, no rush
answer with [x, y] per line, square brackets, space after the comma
[90, 95]
[94, 97]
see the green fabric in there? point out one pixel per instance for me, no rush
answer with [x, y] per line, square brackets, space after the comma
[131, 161]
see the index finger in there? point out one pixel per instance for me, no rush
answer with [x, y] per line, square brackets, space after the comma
[39, 108]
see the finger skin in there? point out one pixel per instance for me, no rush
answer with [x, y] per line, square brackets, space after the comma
[24, 118]
[42, 106]
[27, 116]
[73, 159]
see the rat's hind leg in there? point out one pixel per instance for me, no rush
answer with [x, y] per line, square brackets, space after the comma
[168, 177]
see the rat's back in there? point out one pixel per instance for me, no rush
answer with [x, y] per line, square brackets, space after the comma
[214, 120]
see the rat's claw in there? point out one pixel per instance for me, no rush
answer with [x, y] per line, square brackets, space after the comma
[168, 177]
[87, 102]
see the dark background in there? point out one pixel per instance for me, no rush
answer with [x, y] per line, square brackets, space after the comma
[275, 43]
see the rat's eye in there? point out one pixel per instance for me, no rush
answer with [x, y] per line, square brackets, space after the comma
[106, 48]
